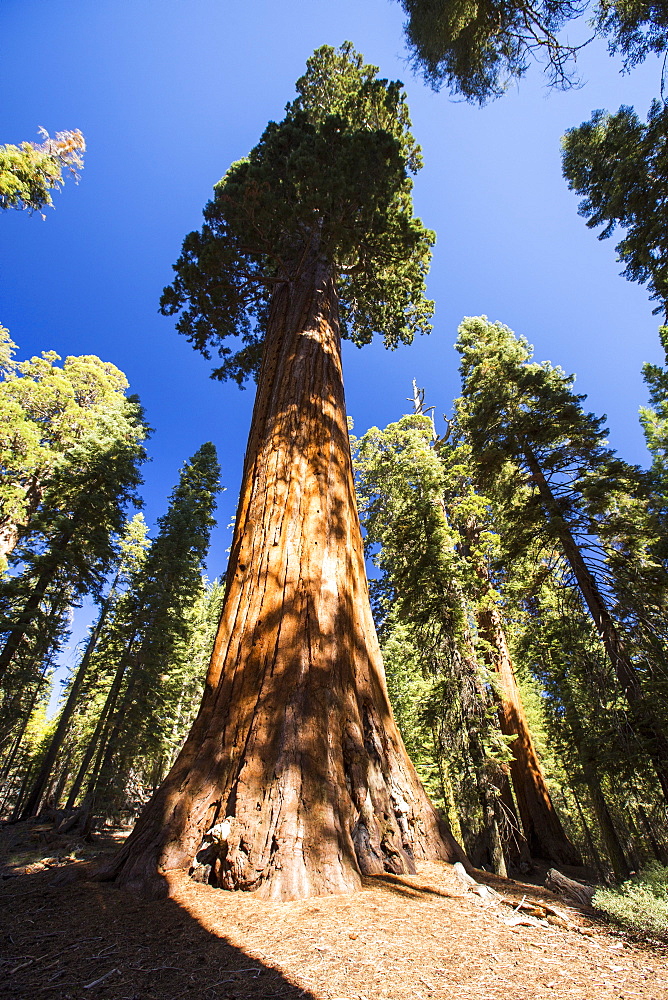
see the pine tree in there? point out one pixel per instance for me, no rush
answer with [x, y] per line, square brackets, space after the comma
[73, 535]
[420, 505]
[29, 172]
[131, 550]
[161, 598]
[546, 461]
[28, 683]
[293, 781]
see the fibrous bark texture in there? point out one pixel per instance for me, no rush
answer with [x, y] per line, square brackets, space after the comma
[294, 781]
[541, 825]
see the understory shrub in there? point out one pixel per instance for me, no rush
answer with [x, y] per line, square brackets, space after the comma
[639, 905]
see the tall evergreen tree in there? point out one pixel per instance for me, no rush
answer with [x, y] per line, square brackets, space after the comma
[584, 711]
[160, 623]
[131, 550]
[74, 533]
[294, 761]
[420, 505]
[654, 419]
[547, 462]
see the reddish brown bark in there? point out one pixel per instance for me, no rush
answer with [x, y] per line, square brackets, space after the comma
[294, 754]
[541, 825]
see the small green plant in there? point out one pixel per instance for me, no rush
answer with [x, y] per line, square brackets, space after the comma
[639, 905]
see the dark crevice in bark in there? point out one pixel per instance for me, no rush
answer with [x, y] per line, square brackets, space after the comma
[295, 683]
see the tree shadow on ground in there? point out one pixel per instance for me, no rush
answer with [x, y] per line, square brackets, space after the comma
[66, 936]
[402, 887]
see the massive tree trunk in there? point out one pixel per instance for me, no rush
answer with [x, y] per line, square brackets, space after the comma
[644, 720]
[542, 828]
[293, 781]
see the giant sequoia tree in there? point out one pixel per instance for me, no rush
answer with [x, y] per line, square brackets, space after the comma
[547, 462]
[420, 506]
[294, 781]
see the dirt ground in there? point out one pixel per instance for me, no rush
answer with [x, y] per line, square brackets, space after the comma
[66, 936]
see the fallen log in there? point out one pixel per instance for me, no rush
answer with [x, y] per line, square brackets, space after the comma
[574, 891]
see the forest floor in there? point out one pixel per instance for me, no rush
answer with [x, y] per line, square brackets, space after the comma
[66, 936]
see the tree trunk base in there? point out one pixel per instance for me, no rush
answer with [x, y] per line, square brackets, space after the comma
[294, 780]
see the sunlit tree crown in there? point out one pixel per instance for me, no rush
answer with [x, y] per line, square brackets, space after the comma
[329, 184]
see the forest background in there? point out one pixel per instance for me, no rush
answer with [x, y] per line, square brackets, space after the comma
[169, 93]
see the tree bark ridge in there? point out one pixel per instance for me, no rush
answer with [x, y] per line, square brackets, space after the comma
[294, 781]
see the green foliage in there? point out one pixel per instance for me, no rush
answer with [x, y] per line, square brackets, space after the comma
[635, 28]
[619, 165]
[639, 905]
[153, 632]
[71, 447]
[548, 465]
[82, 510]
[29, 172]
[46, 413]
[330, 183]
[477, 49]
[419, 509]
[654, 420]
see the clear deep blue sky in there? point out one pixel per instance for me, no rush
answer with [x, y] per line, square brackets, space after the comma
[169, 92]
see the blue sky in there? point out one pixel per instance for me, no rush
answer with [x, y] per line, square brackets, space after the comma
[169, 92]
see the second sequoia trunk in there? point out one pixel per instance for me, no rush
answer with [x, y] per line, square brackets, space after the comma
[294, 781]
[542, 827]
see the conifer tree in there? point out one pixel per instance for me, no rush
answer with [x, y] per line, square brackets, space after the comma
[546, 461]
[400, 487]
[73, 534]
[293, 781]
[654, 419]
[27, 686]
[45, 411]
[584, 712]
[617, 163]
[420, 505]
[161, 598]
[131, 550]
[478, 49]
[31, 171]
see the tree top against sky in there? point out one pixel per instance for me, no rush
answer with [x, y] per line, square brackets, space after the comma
[29, 172]
[330, 181]
[476, 48]
[618, 164]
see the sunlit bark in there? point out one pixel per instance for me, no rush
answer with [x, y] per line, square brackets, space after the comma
[294, 758]
[541, 825]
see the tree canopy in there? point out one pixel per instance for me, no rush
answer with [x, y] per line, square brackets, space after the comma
[46, 411]
[620, 165]
[477, 49]
[331, 179]
[31, 171]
